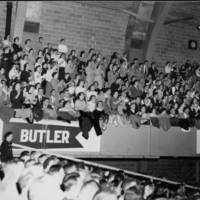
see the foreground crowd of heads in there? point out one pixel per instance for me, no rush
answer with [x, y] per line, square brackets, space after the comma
[37, 176]
[44, 81]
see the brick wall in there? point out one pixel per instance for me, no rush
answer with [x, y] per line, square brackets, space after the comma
[84, 26]
[172, 41]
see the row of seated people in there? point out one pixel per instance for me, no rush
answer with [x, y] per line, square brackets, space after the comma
[36, 175]
[53, 82]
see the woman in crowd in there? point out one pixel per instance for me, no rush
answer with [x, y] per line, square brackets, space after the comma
[16, 97]
[80, 87]
[80, 102]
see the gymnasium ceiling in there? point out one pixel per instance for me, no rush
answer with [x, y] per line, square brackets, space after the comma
[189, 10]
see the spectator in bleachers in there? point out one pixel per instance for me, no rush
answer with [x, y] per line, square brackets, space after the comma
[62, 47]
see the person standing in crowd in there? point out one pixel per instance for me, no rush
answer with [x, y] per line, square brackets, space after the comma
[6, 147]
[62, 47]
[40, 44]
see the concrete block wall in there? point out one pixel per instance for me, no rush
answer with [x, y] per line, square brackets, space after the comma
[84, 26]
[172, 41]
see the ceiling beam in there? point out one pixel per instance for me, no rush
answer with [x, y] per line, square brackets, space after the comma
[160, 14]
[142, 18]
[149, 2]
[178, 20]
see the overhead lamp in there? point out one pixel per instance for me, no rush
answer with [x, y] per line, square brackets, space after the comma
[198, 27]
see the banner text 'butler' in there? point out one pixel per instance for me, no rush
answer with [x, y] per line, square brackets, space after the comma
[41, 136]
[30, 135]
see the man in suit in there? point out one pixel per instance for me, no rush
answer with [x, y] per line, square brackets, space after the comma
[40, 98]
[6, 147]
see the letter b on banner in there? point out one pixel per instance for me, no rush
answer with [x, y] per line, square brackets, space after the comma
[24, 135]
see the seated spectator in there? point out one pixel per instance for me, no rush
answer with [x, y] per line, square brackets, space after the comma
[91, 92]
[105, 195]
[67, 107]
[14, 73]
[113, 74]
[54, 99]
[49, 110]
[27, 45]
[80, 87]
[153, 71]
[56, 84]
[100, 75]
[90, 70]
[134, 90]
[16, 46]
[4, 93]
[25, 74]
[48, 186]
[38, 74]
[80, 102]
[40, 44]
[7, 41]
[88, 190]
[16, 97]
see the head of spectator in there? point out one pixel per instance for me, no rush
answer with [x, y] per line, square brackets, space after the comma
[41, 39]
[88, 190]
[133, 193]
[16, 40]
[70, 167]
[57, 172]
[24, 155]
[27, 42]
[42, 158]
[71, 185]
[105, 195]
[8, 136]
[52, 160]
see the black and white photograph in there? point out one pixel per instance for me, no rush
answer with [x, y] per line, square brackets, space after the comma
[100, 100]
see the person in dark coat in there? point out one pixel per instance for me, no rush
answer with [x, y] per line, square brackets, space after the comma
[6, 147]
[153, 71]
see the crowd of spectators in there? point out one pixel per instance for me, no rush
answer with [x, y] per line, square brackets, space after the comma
[42, 81]
[38, 176]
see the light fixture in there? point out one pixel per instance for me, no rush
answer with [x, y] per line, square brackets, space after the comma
[198, 27]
